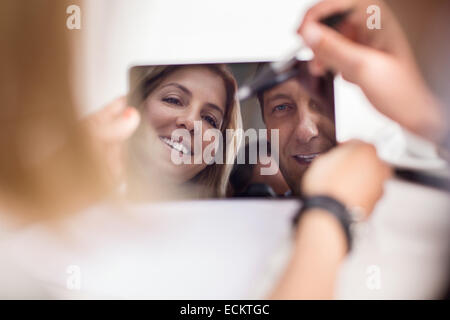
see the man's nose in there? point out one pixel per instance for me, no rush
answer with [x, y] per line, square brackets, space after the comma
[307, 128]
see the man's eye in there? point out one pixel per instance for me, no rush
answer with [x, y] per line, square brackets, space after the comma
[313, 105]
[211, 121]
[172, 100]
[281, 107]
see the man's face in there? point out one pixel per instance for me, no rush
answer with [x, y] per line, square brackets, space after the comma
[306, 129]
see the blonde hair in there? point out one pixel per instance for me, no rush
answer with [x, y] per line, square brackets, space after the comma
[47, 161]
[214, 179]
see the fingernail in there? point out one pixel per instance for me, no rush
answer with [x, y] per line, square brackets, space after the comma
[128, 112]
[312, 35]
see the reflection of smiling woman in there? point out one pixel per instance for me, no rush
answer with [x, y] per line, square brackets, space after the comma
[174, 97]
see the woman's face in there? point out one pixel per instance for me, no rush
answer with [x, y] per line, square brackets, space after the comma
[187, 95]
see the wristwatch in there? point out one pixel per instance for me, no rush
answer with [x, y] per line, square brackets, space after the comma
[346, 216]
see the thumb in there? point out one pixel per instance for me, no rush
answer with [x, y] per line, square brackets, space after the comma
[122, 126]
[334, 51]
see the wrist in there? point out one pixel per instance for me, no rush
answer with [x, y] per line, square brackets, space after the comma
[343, 216]
[322, 232]
[358, 207]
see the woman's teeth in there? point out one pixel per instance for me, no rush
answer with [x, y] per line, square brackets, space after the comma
[175, 145]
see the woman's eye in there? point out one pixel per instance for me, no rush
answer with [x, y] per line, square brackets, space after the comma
[211, 121]
[172, 100]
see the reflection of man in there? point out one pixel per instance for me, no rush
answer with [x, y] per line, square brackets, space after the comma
[306, 125]
[246, 179]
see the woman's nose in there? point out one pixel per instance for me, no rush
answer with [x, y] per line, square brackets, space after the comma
[186, 121]
[307, 128]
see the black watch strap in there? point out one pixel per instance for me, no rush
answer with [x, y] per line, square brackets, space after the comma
[332, 206]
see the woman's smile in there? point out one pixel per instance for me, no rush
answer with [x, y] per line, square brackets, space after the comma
[176, 145]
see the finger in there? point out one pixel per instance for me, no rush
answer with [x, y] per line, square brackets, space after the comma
[115, 160]
[114, 108]
[324, 9]
[315, 68]
[353, 142]
[387, 170]
[122, 127]
[357, 148]
[336, 52]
